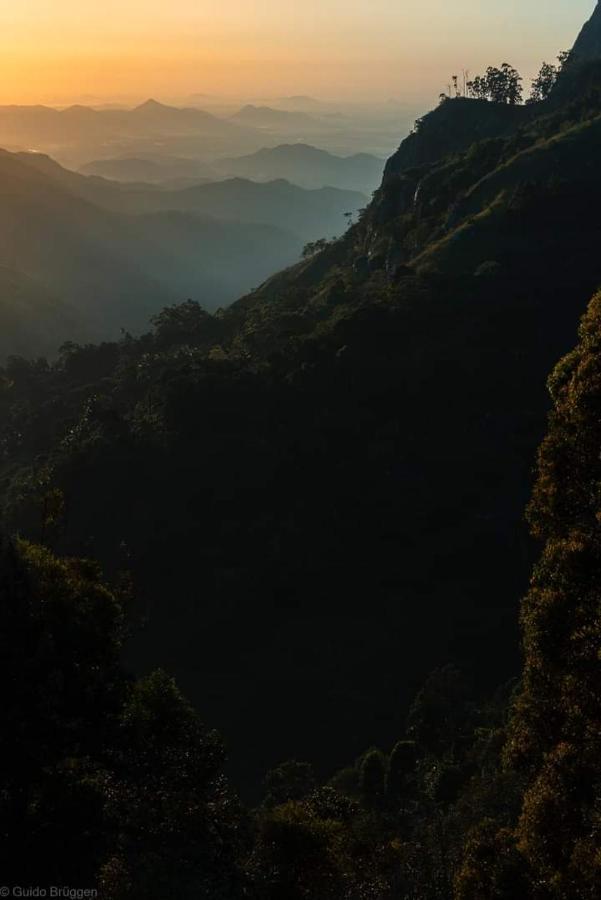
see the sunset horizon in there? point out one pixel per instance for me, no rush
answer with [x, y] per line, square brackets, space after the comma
[55, 53]
[300, 430]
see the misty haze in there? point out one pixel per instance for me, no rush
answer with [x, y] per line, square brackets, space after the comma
[300, 382]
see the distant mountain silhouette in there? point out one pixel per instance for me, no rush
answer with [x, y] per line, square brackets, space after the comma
[158, 115]
[267, 117]
[301, 164]
[156, 169]
[76, 264]
[308, 166]
[76, 133]
[309, 214]
[82, 257]
[31, 123]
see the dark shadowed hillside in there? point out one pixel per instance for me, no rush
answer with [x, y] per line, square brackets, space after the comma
[588, 44]
[321, 490]
[352, 512]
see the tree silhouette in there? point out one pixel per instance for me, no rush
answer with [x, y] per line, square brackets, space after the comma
[498, 85]
[546, 79]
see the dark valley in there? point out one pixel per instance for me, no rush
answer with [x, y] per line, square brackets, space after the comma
[320, 472]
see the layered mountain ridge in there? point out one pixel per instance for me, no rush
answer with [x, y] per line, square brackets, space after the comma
[113, 255]
[340, 461]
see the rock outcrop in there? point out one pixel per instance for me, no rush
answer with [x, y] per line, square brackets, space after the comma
[588, 43]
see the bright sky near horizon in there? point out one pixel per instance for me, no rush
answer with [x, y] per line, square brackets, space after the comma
[77, 50]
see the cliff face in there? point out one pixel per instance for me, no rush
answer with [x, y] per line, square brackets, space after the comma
[588, 43]
[452, 128]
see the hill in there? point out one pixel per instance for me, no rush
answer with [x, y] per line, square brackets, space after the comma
[32, 320]
[155, 169]
[308, 167]
[311, 507]
[112, 270]
[321, 490]
[310, 214]
[75, 133]
[588, 43]
[30, 124]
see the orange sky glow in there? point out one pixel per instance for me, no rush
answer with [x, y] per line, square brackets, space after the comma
[66, 51]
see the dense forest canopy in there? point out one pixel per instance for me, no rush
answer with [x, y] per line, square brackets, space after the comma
[479, 798]
[356, 436]
[309, 507]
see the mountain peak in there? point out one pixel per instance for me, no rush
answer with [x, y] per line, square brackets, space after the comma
[588, 43]
[151, 105]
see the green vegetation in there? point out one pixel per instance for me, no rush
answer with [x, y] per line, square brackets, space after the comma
[503, 85]
[100, 760]
[355, 437]
[309, 508]
[552, 845]
[545, 81]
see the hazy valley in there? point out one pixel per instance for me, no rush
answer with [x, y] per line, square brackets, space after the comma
[318, 435]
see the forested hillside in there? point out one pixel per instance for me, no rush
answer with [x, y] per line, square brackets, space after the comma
[310, 507]
[115, 782]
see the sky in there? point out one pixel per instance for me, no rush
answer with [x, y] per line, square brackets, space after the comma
[86, 50]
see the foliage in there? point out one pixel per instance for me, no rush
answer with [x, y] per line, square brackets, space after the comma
[401, 768]
[545, 81]
[339, 460]
[555, 728]
[373, 778]
[242, 460]
[499, 85]
[105, 780]
[290, 781]
[313, 248]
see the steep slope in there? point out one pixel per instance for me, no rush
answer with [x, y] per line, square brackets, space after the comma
[340, 462]
[548, 845]
[554, 732]
[444, 182]
[588, 44]
[453, 128]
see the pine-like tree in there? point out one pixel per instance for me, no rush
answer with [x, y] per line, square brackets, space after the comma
[555, 734]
